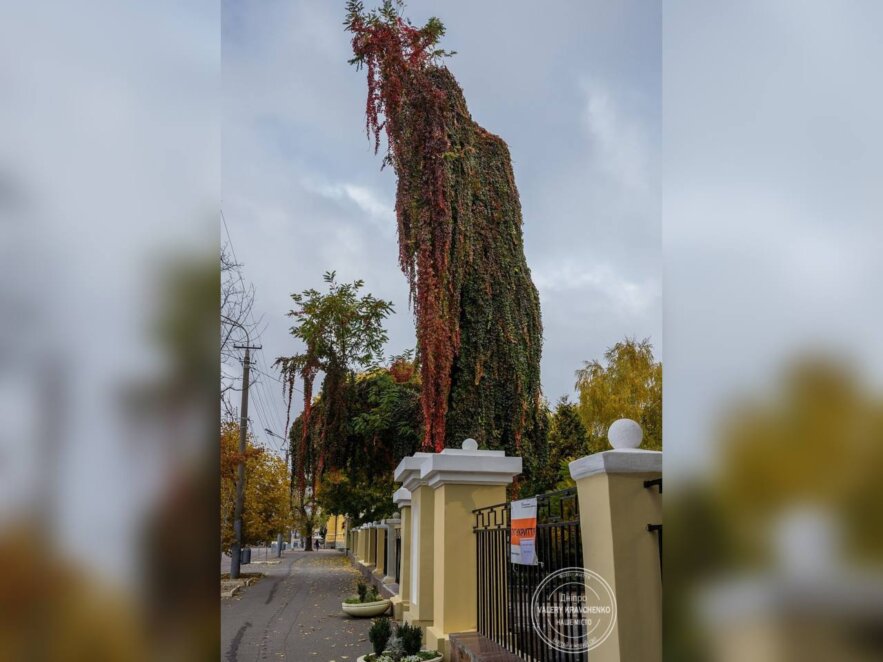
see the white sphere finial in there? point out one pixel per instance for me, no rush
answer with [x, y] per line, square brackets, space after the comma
[469, 445]
[625, 434]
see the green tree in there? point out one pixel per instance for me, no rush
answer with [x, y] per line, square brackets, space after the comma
[627, 385]
[341, 332]
[568, 440]
[385, 425]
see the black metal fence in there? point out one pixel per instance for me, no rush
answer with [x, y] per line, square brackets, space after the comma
[505, 589]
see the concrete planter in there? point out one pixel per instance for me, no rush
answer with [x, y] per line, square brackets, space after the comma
[366, 609]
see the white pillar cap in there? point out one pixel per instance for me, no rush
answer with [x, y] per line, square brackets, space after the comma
[401, 497]
[408, 471]
[469, 466]
[626, 461]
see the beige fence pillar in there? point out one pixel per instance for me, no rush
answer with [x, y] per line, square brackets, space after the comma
[391, 525]
[347, 527]
[372, 545]
[401, 602]
[422, 549]
[615, 510]
[365, 539]
[379, 549]
[453, 483]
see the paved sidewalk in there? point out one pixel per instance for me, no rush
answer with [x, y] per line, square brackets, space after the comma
[294, 612]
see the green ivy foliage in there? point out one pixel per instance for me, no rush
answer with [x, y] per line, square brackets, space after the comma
[384, 425]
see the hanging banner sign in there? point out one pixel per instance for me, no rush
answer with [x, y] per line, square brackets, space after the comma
[523, 519]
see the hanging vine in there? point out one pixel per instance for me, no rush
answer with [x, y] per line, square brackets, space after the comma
[479, 332]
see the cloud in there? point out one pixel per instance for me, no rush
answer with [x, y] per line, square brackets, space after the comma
[600, 280]
[622, 148]
[364, 198]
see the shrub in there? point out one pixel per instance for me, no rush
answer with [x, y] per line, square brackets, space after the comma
[362, 588]
[379, 634]
[412, 638]
[394, 649]
[373, 595]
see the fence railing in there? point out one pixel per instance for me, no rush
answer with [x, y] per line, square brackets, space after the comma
[505, 590]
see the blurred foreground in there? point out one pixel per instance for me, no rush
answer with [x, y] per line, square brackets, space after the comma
[109, 186]
[778, 554]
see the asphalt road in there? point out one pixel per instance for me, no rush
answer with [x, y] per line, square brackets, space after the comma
[294, 612]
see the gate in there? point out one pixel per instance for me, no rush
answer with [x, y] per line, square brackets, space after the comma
[505, 589]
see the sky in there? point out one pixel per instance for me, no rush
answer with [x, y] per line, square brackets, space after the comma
[575, 92]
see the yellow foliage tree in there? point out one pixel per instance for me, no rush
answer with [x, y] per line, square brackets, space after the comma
[266, 510]
[628, 386]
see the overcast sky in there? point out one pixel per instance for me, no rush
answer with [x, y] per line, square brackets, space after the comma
[576, 94]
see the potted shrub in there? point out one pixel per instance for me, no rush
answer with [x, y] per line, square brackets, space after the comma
[366, 604]
[401, 646]
[379, 634]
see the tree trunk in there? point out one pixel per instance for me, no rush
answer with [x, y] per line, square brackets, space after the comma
[308, 537]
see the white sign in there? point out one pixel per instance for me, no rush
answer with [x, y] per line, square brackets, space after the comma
[523, 531]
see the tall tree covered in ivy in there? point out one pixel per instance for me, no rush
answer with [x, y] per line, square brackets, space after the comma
[479, 333]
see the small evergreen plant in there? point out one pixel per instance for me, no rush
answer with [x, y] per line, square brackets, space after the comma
[411, 637]
[379, 634]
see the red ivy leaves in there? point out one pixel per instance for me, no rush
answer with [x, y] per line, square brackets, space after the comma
[405, 105]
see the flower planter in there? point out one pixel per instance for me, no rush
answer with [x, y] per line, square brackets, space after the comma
[366, 609]
[364, 658]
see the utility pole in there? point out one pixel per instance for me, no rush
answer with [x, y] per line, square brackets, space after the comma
[235, 554]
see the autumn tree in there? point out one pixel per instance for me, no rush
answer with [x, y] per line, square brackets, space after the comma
[627, 385]
[479, 332]
[385, 425]
[267, 507]
[341, 331]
